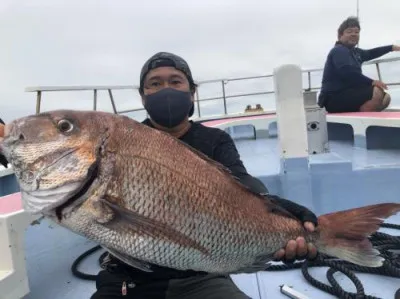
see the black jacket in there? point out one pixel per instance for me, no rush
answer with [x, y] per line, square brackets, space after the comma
[219, 146]
[343, 67]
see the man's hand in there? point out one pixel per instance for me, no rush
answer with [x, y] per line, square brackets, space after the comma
[297, 249]
[396, 48]
[379, 84]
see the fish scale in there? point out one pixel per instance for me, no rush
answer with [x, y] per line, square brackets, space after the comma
[224, 237]
[149, 198]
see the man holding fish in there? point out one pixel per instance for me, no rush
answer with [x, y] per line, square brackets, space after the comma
[167, 90]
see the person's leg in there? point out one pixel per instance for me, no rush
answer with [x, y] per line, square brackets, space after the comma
[364, 98]
[204, 287]
[348, 100]
[378, 102]
[386, 101]
[119, 285]
[110, 285]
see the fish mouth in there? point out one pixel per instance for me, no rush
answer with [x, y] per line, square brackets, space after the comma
[93, 173]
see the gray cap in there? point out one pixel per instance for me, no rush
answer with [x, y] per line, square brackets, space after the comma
[166, 59]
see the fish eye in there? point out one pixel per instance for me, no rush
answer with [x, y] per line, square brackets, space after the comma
[65, 126]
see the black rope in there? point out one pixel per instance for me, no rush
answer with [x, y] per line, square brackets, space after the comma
[381, 241]
[75, 265]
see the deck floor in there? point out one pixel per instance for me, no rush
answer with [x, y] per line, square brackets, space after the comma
[261, 157]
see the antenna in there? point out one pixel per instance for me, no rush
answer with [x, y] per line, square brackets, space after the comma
[358, 9]
[358, 17]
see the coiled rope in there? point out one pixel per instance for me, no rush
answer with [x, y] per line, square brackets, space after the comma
[381, 241]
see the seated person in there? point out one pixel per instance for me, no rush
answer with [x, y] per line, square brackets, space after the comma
[344, 87]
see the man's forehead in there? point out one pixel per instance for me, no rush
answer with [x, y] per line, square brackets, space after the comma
[164, 72]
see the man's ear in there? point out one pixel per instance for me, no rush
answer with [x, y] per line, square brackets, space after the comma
[193, 90]
[340, 36]
[142, 97]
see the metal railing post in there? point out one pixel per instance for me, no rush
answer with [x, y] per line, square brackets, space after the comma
[38, 101]
[94, 99]
[224, 97]
[112, 101]
[379, 71]
[197, 99]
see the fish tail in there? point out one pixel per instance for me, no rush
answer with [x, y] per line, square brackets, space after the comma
[345, 234]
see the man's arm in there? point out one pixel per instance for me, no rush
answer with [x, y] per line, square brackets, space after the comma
[370, 54]
[226, 153]
[341, 59]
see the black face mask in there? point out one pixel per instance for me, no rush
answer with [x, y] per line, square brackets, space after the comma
[168, 107]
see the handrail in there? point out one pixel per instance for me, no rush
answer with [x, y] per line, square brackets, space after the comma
[222, 81]
[79, 88]
[375, 61]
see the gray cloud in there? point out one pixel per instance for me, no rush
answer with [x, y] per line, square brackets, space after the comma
[106, 42]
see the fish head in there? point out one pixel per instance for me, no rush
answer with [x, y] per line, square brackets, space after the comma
[54, 155]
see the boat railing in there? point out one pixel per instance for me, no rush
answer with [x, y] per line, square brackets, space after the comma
[307, 77]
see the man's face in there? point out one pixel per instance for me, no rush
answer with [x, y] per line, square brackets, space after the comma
[165, 77]
[351, 36]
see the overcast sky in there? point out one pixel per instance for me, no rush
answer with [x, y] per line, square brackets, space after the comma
[54, 42]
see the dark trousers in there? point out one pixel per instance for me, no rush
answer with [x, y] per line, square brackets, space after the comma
[111, 285]
[347, 100]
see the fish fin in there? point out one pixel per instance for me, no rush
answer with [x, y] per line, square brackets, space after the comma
[124, 218]
[141, 265]
[260, 264]
[345, 234]
[272, 205]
